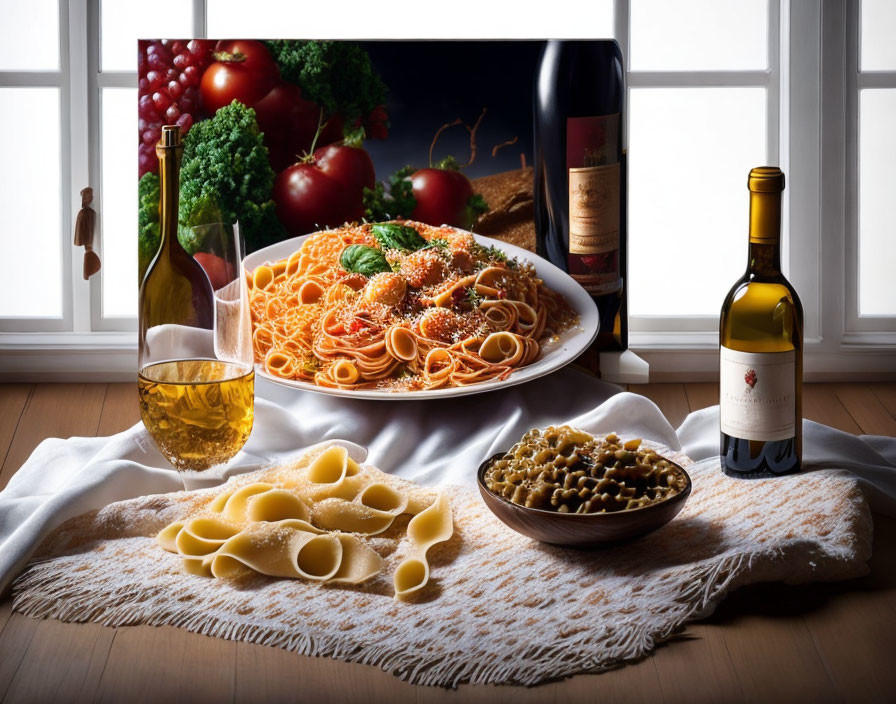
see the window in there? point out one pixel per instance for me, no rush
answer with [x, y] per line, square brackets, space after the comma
[703, 109]
[34, 181]
[872, 165]
[113, 73]
[715, 87]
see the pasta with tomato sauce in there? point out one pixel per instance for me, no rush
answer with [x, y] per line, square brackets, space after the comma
[400, 306]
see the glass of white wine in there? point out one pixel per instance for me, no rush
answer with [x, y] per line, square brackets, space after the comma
[196, 381]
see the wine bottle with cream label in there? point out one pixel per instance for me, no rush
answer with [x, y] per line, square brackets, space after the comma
[580, 185]
[761, 349]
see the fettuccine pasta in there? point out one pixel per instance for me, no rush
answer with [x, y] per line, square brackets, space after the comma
[435, 310]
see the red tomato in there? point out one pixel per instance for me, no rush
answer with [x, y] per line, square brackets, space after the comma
[351, 167]
[308, 199]
[220, 271]
[243, 70]
[288, 123]
[442, 196]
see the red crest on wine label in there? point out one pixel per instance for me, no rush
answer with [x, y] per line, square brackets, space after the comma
[751, 378]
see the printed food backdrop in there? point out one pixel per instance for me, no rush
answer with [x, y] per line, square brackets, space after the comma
[289, 137]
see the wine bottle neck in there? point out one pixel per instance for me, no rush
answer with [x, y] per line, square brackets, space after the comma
[765, 233]
[169, 195]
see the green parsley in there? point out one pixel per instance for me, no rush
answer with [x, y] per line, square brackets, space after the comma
[473, 297]
[338, 76]
[397, 202]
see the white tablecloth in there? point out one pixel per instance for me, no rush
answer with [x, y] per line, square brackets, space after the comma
[432, 442]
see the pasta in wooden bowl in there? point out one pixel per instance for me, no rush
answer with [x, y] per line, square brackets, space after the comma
[400, 306]
[565, 486]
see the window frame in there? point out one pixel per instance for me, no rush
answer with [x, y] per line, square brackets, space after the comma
[655, 331]
[812, 83]
[64, 79]
[858, 329]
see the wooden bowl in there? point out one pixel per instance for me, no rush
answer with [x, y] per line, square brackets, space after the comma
[581, 529]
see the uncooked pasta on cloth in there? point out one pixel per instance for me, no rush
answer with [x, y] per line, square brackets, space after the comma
[498, 607]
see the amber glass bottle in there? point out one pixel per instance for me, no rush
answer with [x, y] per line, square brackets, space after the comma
[761, 349]
[175, 289]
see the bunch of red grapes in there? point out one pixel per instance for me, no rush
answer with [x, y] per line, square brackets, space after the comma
[169, 72]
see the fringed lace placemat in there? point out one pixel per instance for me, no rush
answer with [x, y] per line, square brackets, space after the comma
[499, 608]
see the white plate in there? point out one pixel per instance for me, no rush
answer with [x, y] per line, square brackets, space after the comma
[554, 355]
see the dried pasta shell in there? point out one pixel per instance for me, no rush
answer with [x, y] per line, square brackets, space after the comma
[419, 500]
[218, 503]
[204, 535]
[279, 551]
[235, 507]
[276, 505]
[382, 497]
[168, 535]
[411, 575]
[359, 561]
[332, 466]
[199, 566]
[434, 525]
[431, 526]
[350, 517]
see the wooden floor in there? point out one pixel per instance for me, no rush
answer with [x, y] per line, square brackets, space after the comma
[816, 643]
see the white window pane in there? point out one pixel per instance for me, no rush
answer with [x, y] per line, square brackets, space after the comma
[691, 150]
[877, 206]
[353, 19]
[29, 36]
[119, 201]
[123, 23]
[30, 197]
[878, 35]
[699, 35]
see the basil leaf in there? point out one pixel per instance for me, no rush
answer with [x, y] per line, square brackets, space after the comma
[361, 259]
[398, 237]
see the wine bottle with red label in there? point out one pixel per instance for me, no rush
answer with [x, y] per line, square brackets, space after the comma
[761, 349]
[580, 175]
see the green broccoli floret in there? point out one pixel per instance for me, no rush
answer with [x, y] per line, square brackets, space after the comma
[205, 210]
[338, 76]
[147, 221]
[225, 175]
